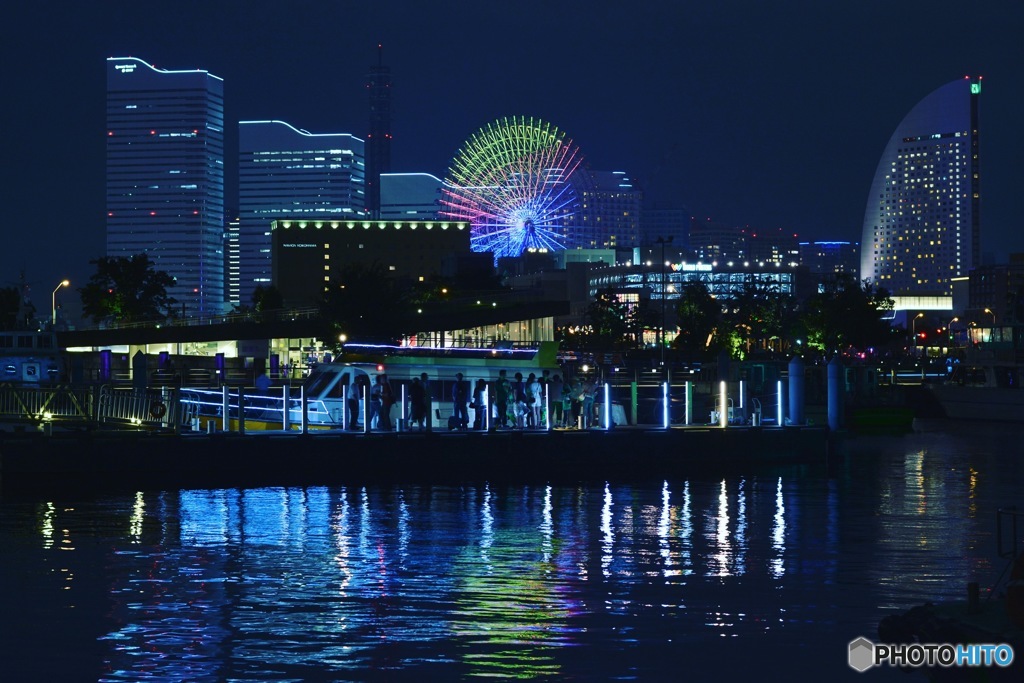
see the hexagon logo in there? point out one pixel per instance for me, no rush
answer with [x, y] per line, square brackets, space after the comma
[862, 654]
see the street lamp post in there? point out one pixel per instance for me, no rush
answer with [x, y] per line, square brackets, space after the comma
[913, 326]
[949, 329]
[663, 241]
[53, 301]
[992, 313]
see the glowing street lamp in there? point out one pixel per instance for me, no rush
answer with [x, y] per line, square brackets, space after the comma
[992, 313]
[913, 327]
[949, 328]
[53, 300]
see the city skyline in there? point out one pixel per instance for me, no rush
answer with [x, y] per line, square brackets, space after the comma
[766, 116]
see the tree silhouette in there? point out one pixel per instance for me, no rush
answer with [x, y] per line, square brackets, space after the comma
[127, 289]
[697, 314]
[10, 307]
[847, 313]
[267, 299]
[609, 321]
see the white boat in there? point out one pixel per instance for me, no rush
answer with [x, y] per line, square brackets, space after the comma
[30, 358]
[326, 387]
[982, 392]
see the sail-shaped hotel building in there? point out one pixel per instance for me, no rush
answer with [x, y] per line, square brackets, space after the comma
[922, 222]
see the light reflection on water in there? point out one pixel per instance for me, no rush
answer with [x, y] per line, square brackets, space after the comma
[531, 582]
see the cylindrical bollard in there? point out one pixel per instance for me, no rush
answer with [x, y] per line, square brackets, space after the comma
[796, 391]
[835, 394]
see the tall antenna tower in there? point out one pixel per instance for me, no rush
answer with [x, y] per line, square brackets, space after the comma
[378, 140]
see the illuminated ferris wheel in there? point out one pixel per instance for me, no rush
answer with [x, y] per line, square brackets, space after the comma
[513, 181]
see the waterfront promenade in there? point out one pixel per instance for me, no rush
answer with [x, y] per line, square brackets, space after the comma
[140, 460]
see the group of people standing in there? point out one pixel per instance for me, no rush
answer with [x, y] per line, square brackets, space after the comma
[517, 403]
[378, 408]
[520, 404]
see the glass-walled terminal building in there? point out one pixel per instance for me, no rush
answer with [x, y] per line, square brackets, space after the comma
[722, 280]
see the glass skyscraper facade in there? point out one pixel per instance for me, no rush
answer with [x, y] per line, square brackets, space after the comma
[609, 214]
[288, 173]
[922, 222]
[165, 176]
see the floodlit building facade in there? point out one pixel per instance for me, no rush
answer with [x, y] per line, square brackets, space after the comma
[922, 221]
[310, 256]
[286, 172]
[165, 176]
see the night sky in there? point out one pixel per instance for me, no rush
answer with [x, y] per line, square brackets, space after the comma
[771, 115]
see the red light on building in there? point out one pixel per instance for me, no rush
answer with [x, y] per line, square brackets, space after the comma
[152, 213]
[152, 132]
[110, 133]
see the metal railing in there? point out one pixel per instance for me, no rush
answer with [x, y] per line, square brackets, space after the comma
[139, 408]
[271, 410]
[32, 404]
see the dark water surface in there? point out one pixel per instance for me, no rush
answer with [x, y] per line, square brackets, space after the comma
[765, 576]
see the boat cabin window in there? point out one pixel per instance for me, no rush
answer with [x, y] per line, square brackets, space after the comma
[318, 382]
[6, 341]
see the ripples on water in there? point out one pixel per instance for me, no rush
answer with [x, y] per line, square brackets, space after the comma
[772, 573]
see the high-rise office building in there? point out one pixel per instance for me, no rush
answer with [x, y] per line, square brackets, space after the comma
[288, 173]
[830, 258]
[232, 281]
[409, 196]
[165, 176]
[770, 245]
[922, 222]
[609, 215]
[667, 224]
[711, 241]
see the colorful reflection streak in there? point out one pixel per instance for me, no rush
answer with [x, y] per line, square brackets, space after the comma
[351, 580]
[528, 582]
